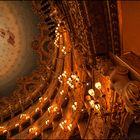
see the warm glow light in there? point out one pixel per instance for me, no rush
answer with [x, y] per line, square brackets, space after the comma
[75, 103]
[40, 99]
[33, 130]
[45, 98]
[61, 126]
[73, 76]
[24, 116]
[77, 79]
[69, 79]
[36, 133]
[16, 125]
[37, 109]
[97, 107]
[61, 92]
[47, 122]
[91, 92]
[55, 109]
[92, 103]
[4, 131]
[87, 84]
[98, 85]
[69, 127]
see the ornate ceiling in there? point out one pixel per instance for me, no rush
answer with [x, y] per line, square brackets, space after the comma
[17, 58]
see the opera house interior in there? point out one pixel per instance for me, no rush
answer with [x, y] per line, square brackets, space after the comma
[69, 69]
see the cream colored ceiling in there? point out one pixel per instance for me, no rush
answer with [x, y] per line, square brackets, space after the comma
[18, 23]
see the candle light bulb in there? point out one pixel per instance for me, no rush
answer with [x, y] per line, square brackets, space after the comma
[91, 92]
[98, 85]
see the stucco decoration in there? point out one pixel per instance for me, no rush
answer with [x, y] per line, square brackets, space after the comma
[129, 90]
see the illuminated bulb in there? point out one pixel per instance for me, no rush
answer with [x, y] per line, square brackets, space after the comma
[65, 121]
[75, 103]
[49, 109]
[87, 84]
[68, 82]
[61, 126]
[60, 35]
[16, 124]
[22, 115]
[58, 24]
[92, 103]
[37, 109]
[55, 109]
[45, 98]
[4, 131]
[72, 86]
[73, 76]
[27, 117]
[55, 31]
[91, 92]
[69, 128]
[56, 28]
[36, 133]
[69, 79]
[30, 130]
[97, 107]
[47, 122]
[70, 125]
[98, 85]
[77, 79]
[62, 92]
[40, 99]
[74, 108]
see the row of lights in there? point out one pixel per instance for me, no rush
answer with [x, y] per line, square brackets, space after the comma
[64, 75]
[64, 50]
[33, 130]
[61, 92]
[64, 125]
[41, 99]
[25, 116]
[91, 92]
[57, 35]
[74, 106]
[52, 109]
[71, 79]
